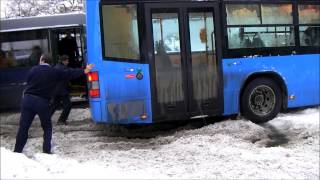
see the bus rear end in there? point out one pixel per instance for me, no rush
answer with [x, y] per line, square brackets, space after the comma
[119, 86]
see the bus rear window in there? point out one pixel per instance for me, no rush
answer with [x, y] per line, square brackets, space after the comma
[120, 32]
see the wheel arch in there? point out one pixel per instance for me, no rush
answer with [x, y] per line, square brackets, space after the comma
[271, 75]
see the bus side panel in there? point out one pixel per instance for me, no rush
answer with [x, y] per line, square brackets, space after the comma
[299, 72]
[304, 81]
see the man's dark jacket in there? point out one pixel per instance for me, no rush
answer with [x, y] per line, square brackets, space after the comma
[43, 79]
[62, 87]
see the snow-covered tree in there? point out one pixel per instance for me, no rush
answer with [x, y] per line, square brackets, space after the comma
[24, 8]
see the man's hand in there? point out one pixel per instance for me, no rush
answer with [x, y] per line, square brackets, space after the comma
[88, 68]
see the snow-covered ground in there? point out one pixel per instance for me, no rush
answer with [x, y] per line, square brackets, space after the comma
[285, 148]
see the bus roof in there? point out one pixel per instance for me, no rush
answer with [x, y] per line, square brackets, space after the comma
[42, 22]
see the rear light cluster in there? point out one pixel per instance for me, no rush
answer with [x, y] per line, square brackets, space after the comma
[94, 88]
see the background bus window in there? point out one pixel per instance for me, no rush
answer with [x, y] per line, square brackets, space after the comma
[203, 51]
[23, 48]
[120, 32]
[240, 14]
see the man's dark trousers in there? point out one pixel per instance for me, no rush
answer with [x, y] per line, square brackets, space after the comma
[66, 103]
[31, 106]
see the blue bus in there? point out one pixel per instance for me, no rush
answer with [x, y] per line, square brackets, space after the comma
[164, 60]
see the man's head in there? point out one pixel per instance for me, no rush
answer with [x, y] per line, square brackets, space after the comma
[64, 59]
[45, 59]
[68, 33]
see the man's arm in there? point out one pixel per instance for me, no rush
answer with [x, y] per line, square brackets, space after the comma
[72, 73]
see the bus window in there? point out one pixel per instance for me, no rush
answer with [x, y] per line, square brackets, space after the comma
[276, 14]
[24, 48]
[121, 37]
[309, 14]
[167, 52]
[3, 60]
[35, 55]
[246, 35]
[255, 37]
[165, 31]
[309, 35]
[240, 14]
[238, 39]
[203, 54]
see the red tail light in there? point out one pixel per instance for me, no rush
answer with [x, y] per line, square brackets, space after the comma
[93, 76]
[94, 93]
[93, 81]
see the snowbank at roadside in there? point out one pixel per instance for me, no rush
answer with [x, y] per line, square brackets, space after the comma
[233, 149]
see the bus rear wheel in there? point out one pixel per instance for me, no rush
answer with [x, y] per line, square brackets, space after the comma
[261, 100]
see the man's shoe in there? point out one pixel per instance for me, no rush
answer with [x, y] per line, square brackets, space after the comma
[47, 152]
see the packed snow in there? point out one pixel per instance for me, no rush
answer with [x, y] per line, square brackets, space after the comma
[284, 148]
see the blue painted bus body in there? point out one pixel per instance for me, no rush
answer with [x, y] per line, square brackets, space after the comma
[121, 95]
[123, 99]
[300, 74]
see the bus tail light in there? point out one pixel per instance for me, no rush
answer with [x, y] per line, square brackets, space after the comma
[94, 88]
[94, 93]
[93, 76]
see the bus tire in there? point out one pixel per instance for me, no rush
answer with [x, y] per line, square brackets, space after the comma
[261, 100]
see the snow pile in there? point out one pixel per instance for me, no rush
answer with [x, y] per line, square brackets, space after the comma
[285, 148]
[43, 166]
[14, 165]
[75, 115]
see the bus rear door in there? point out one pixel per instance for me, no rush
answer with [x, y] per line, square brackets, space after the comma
[185, 59]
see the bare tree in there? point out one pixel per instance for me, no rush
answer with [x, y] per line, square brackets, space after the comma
[25, 8]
